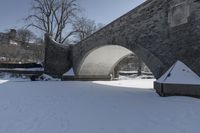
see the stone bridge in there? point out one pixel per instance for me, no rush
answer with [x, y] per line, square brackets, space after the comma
[160, 32]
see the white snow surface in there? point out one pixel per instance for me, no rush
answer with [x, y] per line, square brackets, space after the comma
[13, 42]
[69, 73]
[94, 107]
[179, 73]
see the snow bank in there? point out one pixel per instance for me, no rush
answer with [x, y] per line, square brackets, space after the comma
[131, 83]
[3, 81]
[5, 77]
[135, 76]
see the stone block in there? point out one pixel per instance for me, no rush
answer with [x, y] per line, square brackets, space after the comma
[179, 14]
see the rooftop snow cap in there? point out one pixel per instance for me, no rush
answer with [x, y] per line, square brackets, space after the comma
[179, 73]
[69, 73]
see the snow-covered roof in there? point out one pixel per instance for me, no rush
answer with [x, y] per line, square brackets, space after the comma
[69, 73]
[179, 73]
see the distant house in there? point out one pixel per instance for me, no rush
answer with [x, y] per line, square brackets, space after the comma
[8, 38]
[4, 38]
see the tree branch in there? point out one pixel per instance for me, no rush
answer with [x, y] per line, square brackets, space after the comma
[36, 26]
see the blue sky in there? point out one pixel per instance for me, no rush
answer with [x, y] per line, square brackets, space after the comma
[12, 12]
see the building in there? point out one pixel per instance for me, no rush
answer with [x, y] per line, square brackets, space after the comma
[6, 38]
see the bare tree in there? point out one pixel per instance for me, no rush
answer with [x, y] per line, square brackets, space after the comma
[85, 27]
[24, 36]
[54, 17]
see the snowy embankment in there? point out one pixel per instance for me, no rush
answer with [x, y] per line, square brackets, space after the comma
[94, 107]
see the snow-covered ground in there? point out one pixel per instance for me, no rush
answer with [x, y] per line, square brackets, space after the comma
[126, 106]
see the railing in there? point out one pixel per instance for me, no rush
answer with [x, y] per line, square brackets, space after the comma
[33, 70]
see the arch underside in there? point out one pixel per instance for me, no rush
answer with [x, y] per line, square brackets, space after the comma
[99, 63]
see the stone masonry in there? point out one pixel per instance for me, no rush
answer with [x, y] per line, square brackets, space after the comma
[160, 32]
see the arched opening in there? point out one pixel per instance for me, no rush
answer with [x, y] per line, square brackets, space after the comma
[104, 62]
[131, 67]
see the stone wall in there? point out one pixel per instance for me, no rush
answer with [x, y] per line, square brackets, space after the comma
[160, 32]
[57, 58]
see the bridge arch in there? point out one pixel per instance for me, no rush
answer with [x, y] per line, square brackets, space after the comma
[59, 59]
[100, 62]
